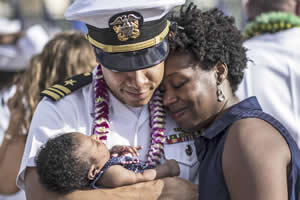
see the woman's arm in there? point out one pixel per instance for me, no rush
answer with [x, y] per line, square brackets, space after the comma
[11, 152]
[255, 161]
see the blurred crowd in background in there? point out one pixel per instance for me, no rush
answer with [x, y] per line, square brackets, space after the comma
[49, 13]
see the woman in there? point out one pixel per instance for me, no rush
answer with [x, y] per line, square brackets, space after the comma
[16, 48]
[67, 54]
[243, 152]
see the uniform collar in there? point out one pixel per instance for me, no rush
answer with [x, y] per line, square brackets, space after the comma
[228, 117]
[116, 106]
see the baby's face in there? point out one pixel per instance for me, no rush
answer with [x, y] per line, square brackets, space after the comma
[91, 147]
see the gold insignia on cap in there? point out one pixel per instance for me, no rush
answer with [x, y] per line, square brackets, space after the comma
[131, 47]
[126, 26]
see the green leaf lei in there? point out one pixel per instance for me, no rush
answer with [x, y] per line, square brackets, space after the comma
[270, 23]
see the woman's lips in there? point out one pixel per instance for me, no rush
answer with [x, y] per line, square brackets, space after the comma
[178, 114]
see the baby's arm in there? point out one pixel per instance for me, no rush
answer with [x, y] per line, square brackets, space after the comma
[117, 175]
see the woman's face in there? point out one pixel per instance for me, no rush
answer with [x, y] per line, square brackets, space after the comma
[190, 92]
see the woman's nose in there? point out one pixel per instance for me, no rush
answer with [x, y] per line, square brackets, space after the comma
[169, 97]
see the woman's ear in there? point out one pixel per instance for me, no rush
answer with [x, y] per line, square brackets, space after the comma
[221, 71]
[94, 170]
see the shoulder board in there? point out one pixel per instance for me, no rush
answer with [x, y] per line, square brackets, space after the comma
[67, 86]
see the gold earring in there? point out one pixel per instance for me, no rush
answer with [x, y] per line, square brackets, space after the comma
[220, 94]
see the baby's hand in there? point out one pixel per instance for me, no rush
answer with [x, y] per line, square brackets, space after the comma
[121, 150]
[129, 160]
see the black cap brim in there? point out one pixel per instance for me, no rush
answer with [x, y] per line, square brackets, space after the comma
[134, 60]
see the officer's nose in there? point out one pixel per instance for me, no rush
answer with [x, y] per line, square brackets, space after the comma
[138, 79]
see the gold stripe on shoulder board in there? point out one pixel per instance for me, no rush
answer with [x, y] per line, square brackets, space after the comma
[67, 86]
[51, 95]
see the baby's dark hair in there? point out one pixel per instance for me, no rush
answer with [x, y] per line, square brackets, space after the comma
[211, 37]
[59, 167]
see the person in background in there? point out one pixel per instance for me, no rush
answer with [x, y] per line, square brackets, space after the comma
[273, 73]
[16, 48]
[67, 54]
[244, 153]
[118, 102]
[55, 63]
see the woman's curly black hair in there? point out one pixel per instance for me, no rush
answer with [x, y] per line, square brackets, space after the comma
[59, 167]
[211, 37]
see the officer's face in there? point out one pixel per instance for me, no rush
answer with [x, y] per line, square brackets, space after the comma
[134, 88]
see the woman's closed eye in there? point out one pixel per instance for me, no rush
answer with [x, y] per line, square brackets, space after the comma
[178, 85]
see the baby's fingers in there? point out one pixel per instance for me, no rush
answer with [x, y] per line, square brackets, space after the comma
[132, 150]
[138, 147]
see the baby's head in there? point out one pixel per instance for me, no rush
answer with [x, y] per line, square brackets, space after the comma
[70, 161]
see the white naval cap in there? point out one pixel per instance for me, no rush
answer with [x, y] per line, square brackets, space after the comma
[98, 12]
[128, 35]
[8, 26]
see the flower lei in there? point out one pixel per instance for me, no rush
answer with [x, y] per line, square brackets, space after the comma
[157, 119]
[270, 23]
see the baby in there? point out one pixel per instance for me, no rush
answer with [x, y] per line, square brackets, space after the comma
[76, 161]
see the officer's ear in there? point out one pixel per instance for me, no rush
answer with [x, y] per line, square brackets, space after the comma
[94, 170]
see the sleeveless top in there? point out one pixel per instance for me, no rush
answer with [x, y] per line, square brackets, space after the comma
[210, 147]
[135, 166]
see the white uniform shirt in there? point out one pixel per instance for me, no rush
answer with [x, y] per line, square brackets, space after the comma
[75, 112]
[274, 76]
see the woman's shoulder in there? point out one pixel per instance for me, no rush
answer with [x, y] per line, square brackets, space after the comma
[256, 137]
